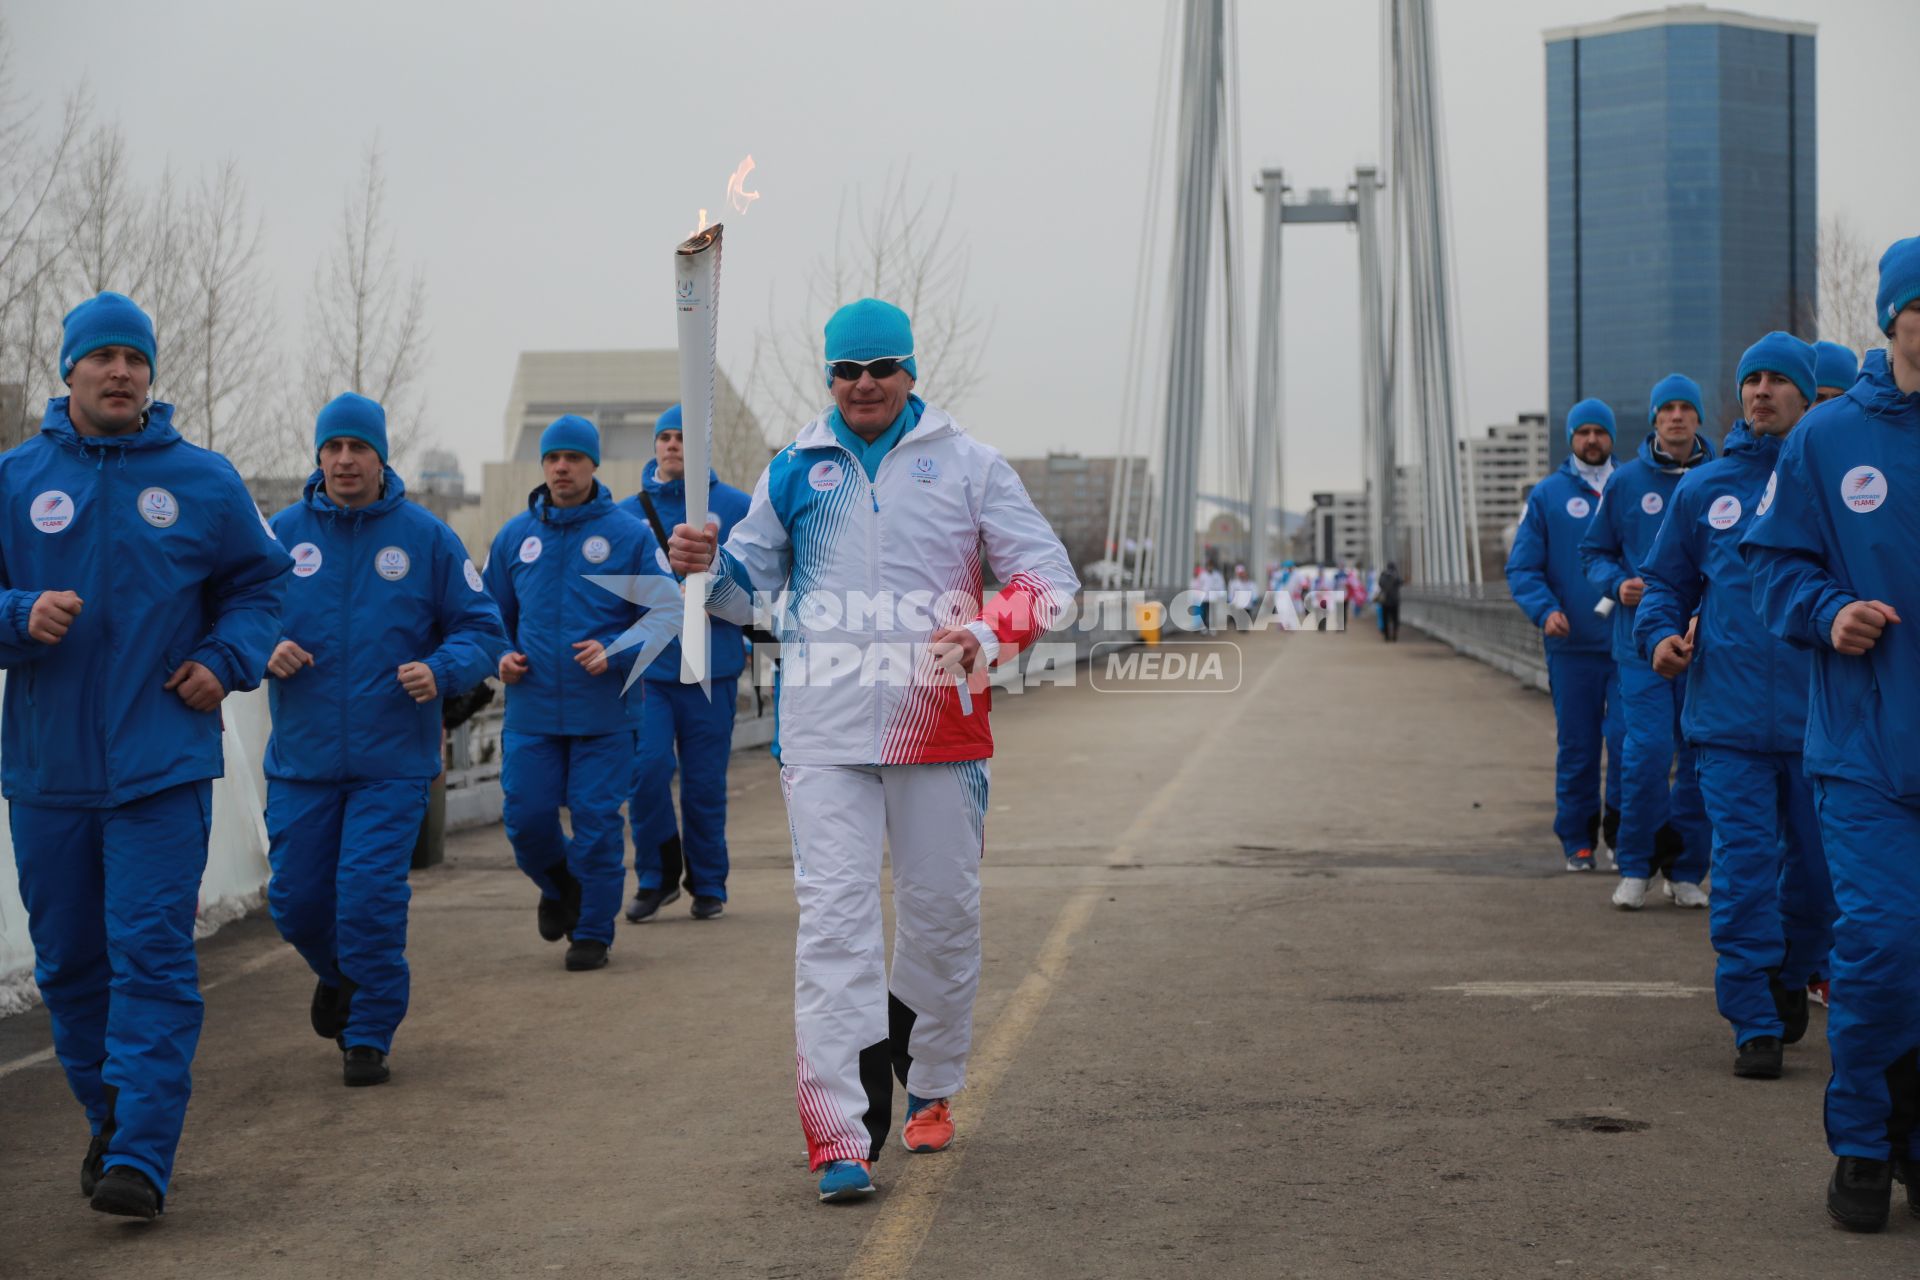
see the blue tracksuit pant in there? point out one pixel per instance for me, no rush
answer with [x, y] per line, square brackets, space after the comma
[590, 774]
[340, 853]
[679, 721]
[1763, 824]
[1873, 852]
[1586, 713]
[1807, 911]
[1648, 802]
[111, 896]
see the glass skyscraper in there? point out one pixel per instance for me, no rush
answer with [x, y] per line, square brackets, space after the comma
[1681, 215]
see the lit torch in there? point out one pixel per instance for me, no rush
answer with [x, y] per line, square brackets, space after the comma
[696, 273]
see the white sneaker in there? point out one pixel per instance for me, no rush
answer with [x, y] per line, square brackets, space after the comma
[1631, 895]
[1687, 895]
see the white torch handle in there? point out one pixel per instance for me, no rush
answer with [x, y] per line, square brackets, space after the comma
[696, 268]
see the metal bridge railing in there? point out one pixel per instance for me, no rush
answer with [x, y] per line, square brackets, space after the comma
[1481, 622]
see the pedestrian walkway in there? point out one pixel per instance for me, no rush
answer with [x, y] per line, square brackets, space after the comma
[1284, 982]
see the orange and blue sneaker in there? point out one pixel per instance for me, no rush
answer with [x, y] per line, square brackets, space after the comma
[929, 1125]
[846, 1180]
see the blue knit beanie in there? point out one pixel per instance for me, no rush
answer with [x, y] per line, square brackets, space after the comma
[1589, 413]
[870, 330]
[106, 320]
[1834, 365]
[669, 421]
[1899, 280]
[355, 417]
[571, 431]
[1675, 386]
[1782, 353]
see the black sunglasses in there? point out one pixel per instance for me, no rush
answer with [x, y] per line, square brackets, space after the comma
[884, 367]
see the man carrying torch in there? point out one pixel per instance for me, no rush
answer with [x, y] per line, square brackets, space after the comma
[883, 497]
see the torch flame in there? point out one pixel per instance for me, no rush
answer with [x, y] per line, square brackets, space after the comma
[703, 223]
[737, 194]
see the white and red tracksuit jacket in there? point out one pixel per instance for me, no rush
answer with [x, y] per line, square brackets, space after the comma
[872, 569]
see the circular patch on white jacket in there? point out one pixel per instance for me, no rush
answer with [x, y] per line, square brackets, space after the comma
[306, 560]
[1863, 489]
[391, 563]
[1725, 512]
[825, 475]
[1651, 503]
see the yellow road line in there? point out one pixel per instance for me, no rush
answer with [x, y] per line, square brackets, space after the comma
[894, 1240]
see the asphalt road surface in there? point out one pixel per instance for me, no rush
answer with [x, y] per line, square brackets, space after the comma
[1279, 982]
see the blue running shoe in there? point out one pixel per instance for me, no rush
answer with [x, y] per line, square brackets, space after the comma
[846, 1180]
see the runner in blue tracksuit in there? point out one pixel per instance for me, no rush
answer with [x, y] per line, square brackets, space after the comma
[570, 730]
[138, 587]
[1662, 827]
[1544, 573]
[1832, 555]
[681, 720]
[385, 616]
[1746, 715]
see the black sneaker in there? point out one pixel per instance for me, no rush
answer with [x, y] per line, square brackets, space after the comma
[95, 1164]
[705, 908]
[363, 1065]
[646, 904]
[586, 954]
[1761, 1058]
[127, 1192]
[1793, 1009]
[1859, 1194]
[559, 915]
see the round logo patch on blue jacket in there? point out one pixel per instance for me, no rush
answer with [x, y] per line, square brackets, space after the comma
[306, 560]
[530, 548]
[52, 511]
[158, 507]
[1863, 489]
[596, 549]
[1651, 503]
[391, 563]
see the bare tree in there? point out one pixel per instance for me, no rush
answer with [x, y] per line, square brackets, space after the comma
[35, 171]
[366, 321]
[900, 247]
[220, 347]
[1849, 279]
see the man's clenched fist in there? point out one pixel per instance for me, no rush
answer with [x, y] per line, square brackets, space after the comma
[52, 614]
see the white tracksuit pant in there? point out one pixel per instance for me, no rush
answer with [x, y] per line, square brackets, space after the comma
[854, 1029]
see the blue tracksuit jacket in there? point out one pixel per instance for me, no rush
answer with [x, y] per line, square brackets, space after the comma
[1544, 570]
[537, 571]
[172, 561]
[1745, 688]
[1621, 531]
[372, 589]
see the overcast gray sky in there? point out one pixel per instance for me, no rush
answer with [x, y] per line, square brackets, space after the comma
[543, 161]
